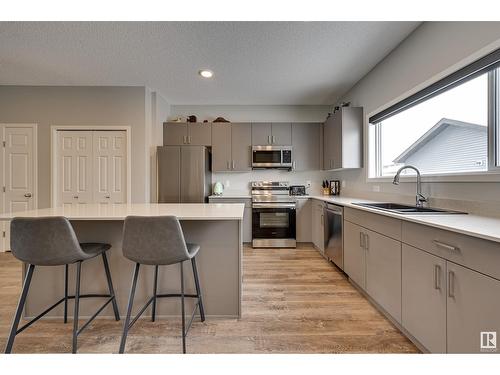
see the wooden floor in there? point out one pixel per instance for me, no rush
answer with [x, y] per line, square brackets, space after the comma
[293, 302]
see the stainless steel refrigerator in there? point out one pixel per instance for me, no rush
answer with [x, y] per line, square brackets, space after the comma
[184, 174]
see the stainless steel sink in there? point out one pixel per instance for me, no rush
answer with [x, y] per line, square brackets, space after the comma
[409, 210]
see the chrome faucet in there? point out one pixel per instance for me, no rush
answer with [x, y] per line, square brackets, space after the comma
[419, 199]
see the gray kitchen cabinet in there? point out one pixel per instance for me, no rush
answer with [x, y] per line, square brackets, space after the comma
[247, 213]
[241, 147]
[343, 139]
[281, 133]
[174, 133]
[354, 253]
[221, 147]
[304, 220]
[261, 133]
[318, 231]
[473, 306]
[184, 133]
[305, 142]
[199, 134]
[423, 304]
[169, 177]
[231, 147]
[277, 133]
[383, 271]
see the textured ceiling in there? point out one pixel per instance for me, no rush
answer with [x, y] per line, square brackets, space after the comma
[253, 62]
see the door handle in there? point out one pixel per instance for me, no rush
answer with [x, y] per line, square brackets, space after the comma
[76, 196]
[273, 139]
[228, 165]
[322, 220]
[445, 246]
[27, 195]
[451, 284]
[107, 197]
[437, 277]
[234, 164]
[367, 241]
[189, 139]
[184, 139]
[361, 241]
[293, 165]
[268, 139]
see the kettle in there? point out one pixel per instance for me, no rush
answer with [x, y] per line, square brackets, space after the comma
[218, 188]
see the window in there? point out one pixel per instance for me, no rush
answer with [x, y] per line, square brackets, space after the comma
[443, 130]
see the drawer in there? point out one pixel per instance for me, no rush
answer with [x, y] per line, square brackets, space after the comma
[475, 253]
[378, 223]
[246, 201]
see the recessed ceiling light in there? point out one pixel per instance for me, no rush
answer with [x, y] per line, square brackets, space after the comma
[206, 73]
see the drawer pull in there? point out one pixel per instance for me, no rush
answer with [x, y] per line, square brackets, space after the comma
[437, 277]
[451, 284]
[445, 246]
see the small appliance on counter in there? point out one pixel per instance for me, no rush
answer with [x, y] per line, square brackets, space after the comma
[218, 188]
[298, 190]
[334, 187]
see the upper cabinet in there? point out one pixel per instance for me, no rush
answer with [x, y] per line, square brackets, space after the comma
[305, 142]
[266, 133]
[231, 147]
[187, 133]
[343, 139]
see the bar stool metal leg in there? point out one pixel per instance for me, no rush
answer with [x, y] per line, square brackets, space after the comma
[77, 306]
[110, 286]
[198, 289]
[129, 309]
[182, 310]
[66, 294]
[19, 310]
[155, 289]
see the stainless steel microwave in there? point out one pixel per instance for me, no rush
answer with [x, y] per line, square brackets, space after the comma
[272, 157]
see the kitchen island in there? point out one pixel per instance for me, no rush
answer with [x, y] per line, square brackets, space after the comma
[217, 228]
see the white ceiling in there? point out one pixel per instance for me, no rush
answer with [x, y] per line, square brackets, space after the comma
[254, 62]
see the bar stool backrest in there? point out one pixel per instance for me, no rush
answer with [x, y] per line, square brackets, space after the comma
[44, 241]
[157, 240]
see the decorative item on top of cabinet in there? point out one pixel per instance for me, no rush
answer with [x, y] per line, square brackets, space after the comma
[343, 139]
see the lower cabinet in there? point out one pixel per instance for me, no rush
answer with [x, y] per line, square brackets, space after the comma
[383, 272]
[304, 222]
[354, 253]
[247, 214]
[318, 228]
[424, 298]
[473, 309]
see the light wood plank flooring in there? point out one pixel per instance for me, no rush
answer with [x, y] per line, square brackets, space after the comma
[293, 302]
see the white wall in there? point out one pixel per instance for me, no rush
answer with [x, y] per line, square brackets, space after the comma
[238, 182]
[69, 105]
[431, 52]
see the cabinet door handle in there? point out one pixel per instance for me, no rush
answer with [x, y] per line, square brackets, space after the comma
[269, 139]
[451, 284]
[273, 139]
[361, 236]
[27, 195]
[367, 242]
[293, 165]
[322, 220]
[445, 246]
[76, 197]
[234, 164]
[437, 277]
[228, 165]
[184, 139]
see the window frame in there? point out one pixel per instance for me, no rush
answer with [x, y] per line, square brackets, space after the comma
[492, 174]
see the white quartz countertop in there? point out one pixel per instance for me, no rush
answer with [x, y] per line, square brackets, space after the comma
[484, 227]
[183, 211]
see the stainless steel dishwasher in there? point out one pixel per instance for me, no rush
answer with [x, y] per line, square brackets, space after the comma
[334, 241]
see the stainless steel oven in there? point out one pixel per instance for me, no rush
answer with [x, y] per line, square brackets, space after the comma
[273, 215]
[278, 157]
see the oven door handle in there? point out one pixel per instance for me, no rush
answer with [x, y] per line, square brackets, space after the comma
[273, 205]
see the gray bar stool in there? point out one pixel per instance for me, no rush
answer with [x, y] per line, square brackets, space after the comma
[158, 241]
[51, 241]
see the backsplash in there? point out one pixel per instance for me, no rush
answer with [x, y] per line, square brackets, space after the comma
[240, 181]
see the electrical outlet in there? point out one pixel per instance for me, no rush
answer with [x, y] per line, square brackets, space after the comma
[376, 188]
[308, 183]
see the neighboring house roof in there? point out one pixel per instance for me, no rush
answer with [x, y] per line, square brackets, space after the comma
[443, 124]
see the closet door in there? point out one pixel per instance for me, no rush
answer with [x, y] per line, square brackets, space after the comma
[74, 167]
[110, 171]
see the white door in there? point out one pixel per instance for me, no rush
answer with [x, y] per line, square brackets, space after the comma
[110, 156]
[74, 167]
[18, 178]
